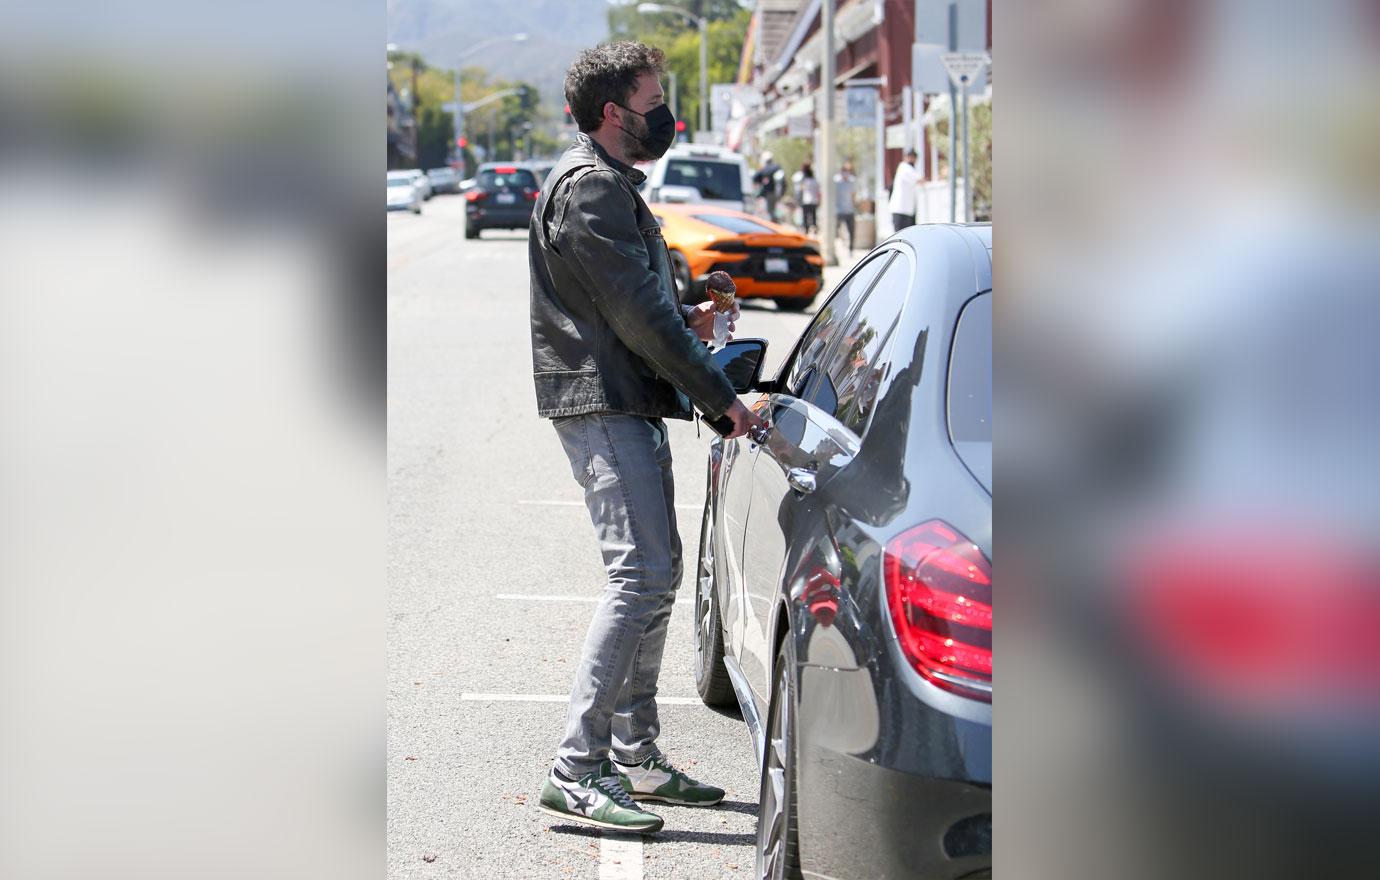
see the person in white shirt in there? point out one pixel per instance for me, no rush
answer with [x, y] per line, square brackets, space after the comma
[903, 192]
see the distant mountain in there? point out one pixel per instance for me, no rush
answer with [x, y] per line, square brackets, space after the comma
[557, 29]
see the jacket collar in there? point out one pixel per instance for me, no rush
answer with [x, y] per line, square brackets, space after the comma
[622, 168]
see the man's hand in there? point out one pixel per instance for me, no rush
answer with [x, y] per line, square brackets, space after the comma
[701, 320]
[743, 418]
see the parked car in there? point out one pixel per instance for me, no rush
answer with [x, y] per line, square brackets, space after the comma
[843, 595]
[443, 180]
[501, 198]
[541, 168]
[418, 177]
[403, 194]
[764, 259]
[698, 174]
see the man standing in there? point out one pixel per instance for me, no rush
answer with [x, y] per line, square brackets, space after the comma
[614, 353]
[845, 191]
[903, 192]
[768, 180]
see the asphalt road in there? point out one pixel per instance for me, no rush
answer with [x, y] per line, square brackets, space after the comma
[492, 574]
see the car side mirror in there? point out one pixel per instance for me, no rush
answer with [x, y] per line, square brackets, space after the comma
[741, 360]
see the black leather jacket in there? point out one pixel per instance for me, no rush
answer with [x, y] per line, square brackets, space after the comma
[608, 333]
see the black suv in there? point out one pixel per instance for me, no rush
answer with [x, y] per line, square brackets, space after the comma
[501, 198]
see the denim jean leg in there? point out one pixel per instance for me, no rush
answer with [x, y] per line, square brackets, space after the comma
[625, 494]
[635, 722]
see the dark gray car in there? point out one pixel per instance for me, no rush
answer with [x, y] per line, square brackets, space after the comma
[501, 198]
[843, 589]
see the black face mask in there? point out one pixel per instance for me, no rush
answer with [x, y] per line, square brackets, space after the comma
[661, 131]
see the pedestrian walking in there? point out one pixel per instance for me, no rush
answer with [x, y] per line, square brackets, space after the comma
[904, 191]
[807, 192]
[614, 354]
[768, 182]
[845, 197]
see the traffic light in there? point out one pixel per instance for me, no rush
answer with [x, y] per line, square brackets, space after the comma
[569, 120]
[525, 97]
[462, 142]
[680, 126]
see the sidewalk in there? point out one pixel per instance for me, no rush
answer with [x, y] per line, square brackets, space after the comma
[834, 274]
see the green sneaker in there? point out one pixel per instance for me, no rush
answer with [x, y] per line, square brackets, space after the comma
[596, 799]
[656, 780]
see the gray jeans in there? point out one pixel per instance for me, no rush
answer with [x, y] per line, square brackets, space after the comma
[624, 465]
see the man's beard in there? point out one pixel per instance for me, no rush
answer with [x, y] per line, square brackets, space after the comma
[632, 143]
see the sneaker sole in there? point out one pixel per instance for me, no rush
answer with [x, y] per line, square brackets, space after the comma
[585, 820]
[677, 803]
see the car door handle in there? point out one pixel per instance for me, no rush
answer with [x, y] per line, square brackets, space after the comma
[801, 480]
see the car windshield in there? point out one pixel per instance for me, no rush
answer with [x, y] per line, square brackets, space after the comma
[516, 178]
[714, 180]
[398, 181]
[739, 225]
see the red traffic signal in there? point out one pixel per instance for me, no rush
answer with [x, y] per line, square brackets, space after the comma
[462, 142]
[680, 125]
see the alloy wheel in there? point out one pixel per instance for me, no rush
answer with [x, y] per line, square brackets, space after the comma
[774, 818]
[704, 590]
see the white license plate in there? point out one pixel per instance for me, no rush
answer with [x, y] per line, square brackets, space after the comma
[505, 198]
[778, 264]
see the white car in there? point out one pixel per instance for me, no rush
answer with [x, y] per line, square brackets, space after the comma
[699, 174]
[419, 178]
[403, 194]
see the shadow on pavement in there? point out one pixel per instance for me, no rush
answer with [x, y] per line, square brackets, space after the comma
[664, 836]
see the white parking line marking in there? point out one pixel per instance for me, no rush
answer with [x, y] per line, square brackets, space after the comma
[695, 507]
[564, 698]
[620, 857]
[536, 598]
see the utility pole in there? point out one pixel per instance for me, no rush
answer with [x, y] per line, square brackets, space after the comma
[826, 139]
[953, 120]
[704, 74]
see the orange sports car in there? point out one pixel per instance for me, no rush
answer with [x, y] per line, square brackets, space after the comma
[764, 259]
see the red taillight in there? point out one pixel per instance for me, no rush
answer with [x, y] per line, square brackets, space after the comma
[506, 169]
[475, 195]
[532, 195]
[939, 589]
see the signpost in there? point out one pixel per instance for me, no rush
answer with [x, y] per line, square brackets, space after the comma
[963, 68]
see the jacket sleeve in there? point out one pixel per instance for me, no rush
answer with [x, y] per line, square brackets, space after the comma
[601, 242]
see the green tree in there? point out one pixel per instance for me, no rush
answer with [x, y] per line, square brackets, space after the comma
[979, 153]
[436, 127]
[728, 22]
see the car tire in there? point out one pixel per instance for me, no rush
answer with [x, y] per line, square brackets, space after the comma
[778, 854]
[417, 209]
[471, 231]
[686, 289]
[711, 676]
[793, 303]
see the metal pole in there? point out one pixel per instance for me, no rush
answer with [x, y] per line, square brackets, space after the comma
[824, 168]
[953, 155]
[675, 104]
[704, 74]
[953, 120]
[459, 124]
[879, 195]
[967, 167]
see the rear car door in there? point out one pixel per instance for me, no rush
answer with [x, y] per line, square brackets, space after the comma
[798, 440]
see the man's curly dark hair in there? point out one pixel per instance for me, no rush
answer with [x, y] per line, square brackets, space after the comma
[607, 73]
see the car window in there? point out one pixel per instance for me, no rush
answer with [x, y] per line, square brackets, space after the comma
[714, 180]
[739, 225]
[970, 374]
[852, 370]
[518, 178]
[812, 344]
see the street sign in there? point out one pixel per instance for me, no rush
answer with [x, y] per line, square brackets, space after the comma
[963, 67]
[862, 105]
[800, 126]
